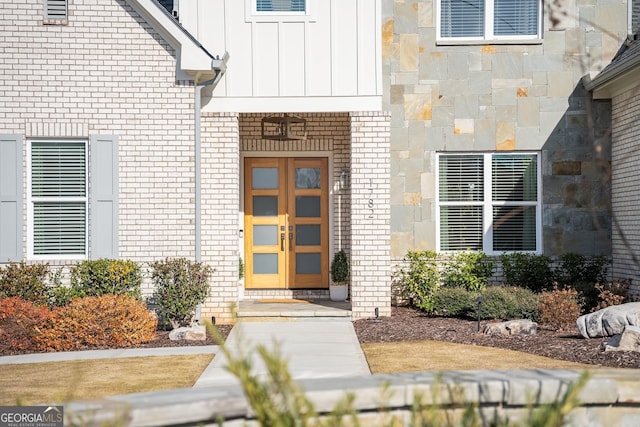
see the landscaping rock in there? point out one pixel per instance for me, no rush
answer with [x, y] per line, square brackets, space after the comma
[189, 333]
[512, 327]
[629, 340]
[609, 321]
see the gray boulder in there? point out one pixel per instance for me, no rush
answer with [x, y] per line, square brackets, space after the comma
[512, 327]
[628, 341]
[609, 321]
[189, 333]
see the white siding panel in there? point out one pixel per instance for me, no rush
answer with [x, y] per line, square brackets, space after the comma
[367, 48]
[319, 57]
[292, 59]
[265, 59]
[344, 48]
[240, 67]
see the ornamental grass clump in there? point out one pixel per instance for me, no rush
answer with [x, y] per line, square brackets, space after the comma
[180, 285]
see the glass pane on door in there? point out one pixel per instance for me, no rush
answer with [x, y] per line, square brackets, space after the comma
[308, 263]
[265, 263]
[265, 205]
[265, 235]
[308, 235]
[265, 178]
[308, 206]
[307, 178]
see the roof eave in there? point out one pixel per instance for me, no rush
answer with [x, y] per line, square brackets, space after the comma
[615, 79]
[191, 57]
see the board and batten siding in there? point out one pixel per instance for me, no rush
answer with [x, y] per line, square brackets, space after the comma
[327, 60]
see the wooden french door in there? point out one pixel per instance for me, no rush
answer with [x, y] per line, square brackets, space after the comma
[286, 223]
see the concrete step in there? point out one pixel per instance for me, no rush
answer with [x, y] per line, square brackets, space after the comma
[270, 310]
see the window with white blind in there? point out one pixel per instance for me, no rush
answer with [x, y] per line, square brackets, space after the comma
[489, 202]
[280, 6]
[58, 199]
[55, 9]
[492, 20]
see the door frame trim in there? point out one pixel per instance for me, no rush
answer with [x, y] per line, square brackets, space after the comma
[290, 154]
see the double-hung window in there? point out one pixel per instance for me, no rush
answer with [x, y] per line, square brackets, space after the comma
[489, 202]
[280, 6]
[489, 20]
[58, 199]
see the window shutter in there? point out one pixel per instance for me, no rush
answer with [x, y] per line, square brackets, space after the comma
[11, 190]
[103, 227]
[515, 17]
[58, 189]
[56, 9]
[462, 18]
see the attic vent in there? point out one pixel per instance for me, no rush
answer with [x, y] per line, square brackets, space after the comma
[55, 9]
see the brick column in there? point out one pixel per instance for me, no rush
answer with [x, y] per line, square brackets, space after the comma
[370, 214]
[220, 202]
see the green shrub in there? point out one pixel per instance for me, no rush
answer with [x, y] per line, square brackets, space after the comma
[105, 276]
[454, 302]
[576, 268]
[27, 281]
[526, 270]
[509, 302]
[180, 285]
[339, 267]
[470, 270]
[419, 278]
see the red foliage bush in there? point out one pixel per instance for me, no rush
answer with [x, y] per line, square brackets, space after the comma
[99, 322]
[21, 325]
[559, 308]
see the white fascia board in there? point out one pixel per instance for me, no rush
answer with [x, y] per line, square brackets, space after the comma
[191, 57]
[307, 104]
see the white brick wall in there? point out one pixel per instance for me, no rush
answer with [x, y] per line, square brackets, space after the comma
[108, 72]
[370, 214]
[625, 191]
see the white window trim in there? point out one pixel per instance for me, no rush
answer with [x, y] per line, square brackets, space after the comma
[31, 200]
[252, 15]
[488, 204]
[488, 30]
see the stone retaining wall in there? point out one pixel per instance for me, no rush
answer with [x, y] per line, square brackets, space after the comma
[611, 397]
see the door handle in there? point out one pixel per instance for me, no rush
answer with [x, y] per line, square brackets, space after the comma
[290, 242]
[282, 242]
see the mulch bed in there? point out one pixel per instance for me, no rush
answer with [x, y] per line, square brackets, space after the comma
[407, 324]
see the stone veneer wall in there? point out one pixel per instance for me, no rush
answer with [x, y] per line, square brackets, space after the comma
[626, 194]
[501, 98]
[609, 398]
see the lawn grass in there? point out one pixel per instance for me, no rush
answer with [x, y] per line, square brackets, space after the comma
[59, 382]
[386, 358]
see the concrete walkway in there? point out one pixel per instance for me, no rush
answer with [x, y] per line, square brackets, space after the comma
[105, 354]
[313, 348]
[317, 347]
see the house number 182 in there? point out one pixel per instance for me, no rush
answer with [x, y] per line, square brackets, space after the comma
[370, 203]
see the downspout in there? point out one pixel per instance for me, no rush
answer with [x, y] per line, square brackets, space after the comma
[198, 157]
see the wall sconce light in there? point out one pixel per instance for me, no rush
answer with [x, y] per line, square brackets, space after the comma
[344, 179]
[284, 128]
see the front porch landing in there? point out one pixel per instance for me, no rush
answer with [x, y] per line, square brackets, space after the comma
[263, 310]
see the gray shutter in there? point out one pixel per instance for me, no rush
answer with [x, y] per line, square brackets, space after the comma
[103, 213]
[11, 190]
